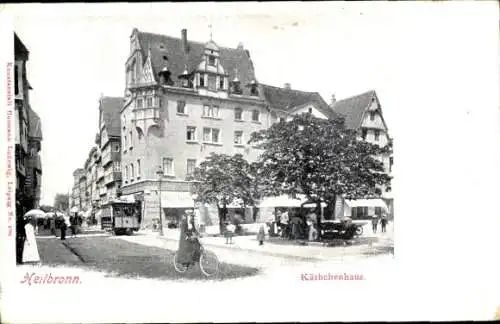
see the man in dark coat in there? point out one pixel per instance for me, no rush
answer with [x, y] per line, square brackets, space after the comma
[189, 247]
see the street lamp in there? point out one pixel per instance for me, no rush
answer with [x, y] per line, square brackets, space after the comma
[159, 172]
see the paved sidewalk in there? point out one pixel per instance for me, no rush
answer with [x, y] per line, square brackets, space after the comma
[250, 243]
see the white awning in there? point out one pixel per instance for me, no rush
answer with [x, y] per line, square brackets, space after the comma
[176, 199]
[285, 201]
[366, 203]
[127, 198]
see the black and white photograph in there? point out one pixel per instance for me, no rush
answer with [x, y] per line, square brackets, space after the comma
[232, 162]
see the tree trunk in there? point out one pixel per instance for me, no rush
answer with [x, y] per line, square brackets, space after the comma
[318, 219]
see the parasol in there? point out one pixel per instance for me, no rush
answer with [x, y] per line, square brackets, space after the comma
[37, 213]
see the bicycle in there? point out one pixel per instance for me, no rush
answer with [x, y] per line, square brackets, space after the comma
[209, 263]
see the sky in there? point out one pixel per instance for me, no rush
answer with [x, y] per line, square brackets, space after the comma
[423, 59]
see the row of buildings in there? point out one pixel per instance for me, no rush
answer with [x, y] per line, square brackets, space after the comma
[28, 144]
[28, 136]
[184, 100]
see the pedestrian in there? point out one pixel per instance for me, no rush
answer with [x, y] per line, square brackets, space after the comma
[229, 232]
[63, 228]
[189, 247]
[374, 223]
[52, 225]
[310, 226]
[383, 222]
[72, 225]
[261, 235]
[30, 250]
[285, 228]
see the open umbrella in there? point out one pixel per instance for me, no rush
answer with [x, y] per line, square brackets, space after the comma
[37, 213]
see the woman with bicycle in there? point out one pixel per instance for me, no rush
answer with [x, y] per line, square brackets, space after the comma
[189, 246]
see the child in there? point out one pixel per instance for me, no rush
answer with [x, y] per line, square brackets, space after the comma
[229, 233]
[261, 235]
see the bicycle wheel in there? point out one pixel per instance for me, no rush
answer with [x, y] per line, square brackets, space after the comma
[179, 267]
[359, 230]
[209, 263]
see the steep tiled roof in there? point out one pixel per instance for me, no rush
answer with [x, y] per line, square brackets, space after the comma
[19, 47]
[35, 125]
[110, 108]
[171, 48]
[288, 99]
[353, 108]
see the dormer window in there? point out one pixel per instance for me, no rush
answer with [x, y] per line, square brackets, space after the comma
[236, 87]
[211, 60]
[165, 77]
[212, 82]
[254, 91]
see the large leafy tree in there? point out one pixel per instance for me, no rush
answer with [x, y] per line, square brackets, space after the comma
[223, 179]
[319, 158]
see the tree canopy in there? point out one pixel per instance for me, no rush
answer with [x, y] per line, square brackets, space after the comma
[319, 158]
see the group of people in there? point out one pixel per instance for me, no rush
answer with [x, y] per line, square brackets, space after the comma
[382, 220]
[296, 227]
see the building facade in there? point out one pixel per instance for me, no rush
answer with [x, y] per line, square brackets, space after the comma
[28, 136]
[75, 192]
[363, 113]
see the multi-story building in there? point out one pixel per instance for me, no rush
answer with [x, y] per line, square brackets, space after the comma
[109, 175]
[185, 100]
[76, 201]
[363, 113]
[28, 136]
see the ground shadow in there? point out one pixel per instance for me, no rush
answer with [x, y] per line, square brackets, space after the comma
[118, 258]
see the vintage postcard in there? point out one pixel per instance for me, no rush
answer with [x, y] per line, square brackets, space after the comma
[242, 162]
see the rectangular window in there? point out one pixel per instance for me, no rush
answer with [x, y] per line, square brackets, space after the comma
[377, 135]
[372, 116]
[191, 165]
[238, 114]
[211, 111]
[138, 168]
[211, 60]
[124, 141]
[221, 83]
[168, 166]
[206, 134]
[211, 135]
[116, 148]
[130, 139]
[359, 212]
[201, 80]
[255, 115]
[139, 103]
[191, 133]
[116, 166]
[149, 102]
[131, 171]
[181, 105]
[378, 211]
[215, 135]
[212, 82]
[126, 173]
[364, 133]
[238, 137]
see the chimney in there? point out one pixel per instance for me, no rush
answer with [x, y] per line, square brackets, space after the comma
[333, 100]
[240, 46]
[287, 86]
[184, 41]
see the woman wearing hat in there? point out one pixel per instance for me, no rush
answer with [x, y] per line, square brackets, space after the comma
[30, 250]
[189, 247]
